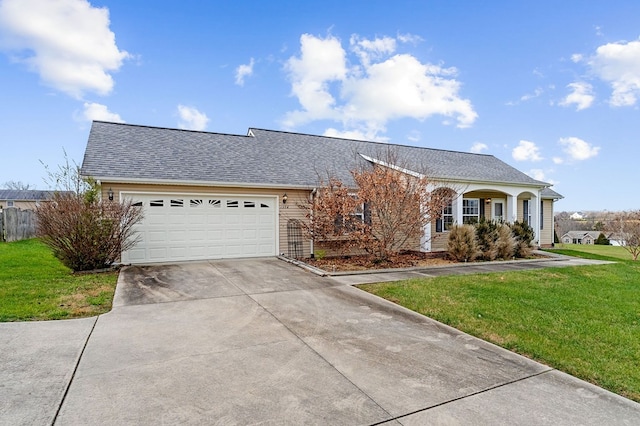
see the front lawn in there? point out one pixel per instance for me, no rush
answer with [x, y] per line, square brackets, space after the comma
[34, 285]
[582, 320]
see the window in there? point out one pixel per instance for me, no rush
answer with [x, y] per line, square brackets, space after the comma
[195, 203]
[541, 214]
[9, 203]
[214, 203]
[177, 203]
[249, 204]
[156, 203]
[470, 210]
[526, 212]
[232, 203]
[445, 221]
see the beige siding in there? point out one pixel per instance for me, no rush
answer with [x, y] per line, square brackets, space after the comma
[546, 233]
[288, 211]
[23, 205]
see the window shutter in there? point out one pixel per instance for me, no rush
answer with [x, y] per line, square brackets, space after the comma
[367, 214]
[438, 225]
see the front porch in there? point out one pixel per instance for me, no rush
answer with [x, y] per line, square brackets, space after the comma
[505, 204]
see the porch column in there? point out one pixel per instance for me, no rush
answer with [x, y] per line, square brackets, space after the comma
[425, 240]
[534, 206]
[457, 209]
[512, 208]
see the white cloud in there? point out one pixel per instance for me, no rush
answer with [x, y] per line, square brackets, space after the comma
[243, 71]
[94, 111]
[526, 151]
[619, 65]
[536, 93]
[537, 174]
[372, 49]
[581, 96]
[353, 134]
[382, 86]
[558, 160]
[67, 42]
[191, 118]
[577, 149]
[321, 61]
[414, 136]
[409, 38]
[577, 57]
[478, 147]
[541, 175]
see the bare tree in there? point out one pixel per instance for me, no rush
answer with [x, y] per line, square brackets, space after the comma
[329, 216]
[396, 208]
[17, 185]
[386, 209]
[624, 228]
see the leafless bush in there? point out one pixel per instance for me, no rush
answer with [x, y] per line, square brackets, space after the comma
[87, 234]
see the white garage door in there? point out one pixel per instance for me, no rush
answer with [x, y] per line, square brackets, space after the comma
[193, 227]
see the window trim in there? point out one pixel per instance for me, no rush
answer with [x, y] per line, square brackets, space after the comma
[466, 215]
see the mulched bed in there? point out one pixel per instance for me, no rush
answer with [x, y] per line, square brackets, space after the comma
[364, 262]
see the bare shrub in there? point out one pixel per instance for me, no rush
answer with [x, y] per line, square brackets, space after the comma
[82, 230]
[86, 234]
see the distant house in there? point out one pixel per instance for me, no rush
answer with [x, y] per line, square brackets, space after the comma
[23, 199]
[580, 237]
[577, 216]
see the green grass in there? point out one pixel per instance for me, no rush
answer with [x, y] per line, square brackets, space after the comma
[610, 252]
[582, 320]
[34, 285]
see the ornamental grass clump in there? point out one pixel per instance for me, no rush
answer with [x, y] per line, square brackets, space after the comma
[462, 244]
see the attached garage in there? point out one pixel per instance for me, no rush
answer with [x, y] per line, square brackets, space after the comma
[178, 227]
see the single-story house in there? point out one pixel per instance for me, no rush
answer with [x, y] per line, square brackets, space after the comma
[23, 199]
[210, 195]
[580, 237]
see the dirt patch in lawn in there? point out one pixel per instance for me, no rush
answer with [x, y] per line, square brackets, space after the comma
[366, 262]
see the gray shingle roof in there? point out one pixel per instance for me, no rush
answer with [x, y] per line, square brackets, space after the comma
[550, 193]
[24, 195]
[266, 157]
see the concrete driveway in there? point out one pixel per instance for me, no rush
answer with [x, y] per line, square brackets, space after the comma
[264, 342]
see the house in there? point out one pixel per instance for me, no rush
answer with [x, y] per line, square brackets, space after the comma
[580, 237]
[577, 216]
[23, 199]
[210, 195]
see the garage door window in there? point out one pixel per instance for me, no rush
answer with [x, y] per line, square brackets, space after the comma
[177, 203]
[214, 203]
[232, 203]
[195, 203]
[249, 204]
[156, 203]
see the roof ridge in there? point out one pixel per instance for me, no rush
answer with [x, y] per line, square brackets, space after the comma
[371, 142]
[170, 128]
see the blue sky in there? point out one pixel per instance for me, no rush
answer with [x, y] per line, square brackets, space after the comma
[552, 88]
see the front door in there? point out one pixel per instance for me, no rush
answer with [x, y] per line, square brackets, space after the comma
[497, 209]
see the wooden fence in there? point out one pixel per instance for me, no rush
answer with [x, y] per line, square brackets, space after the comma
[16, 224]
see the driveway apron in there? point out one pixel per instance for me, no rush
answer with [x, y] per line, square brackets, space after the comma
[263, 342]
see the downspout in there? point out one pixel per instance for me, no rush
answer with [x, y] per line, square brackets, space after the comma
[312, 196]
